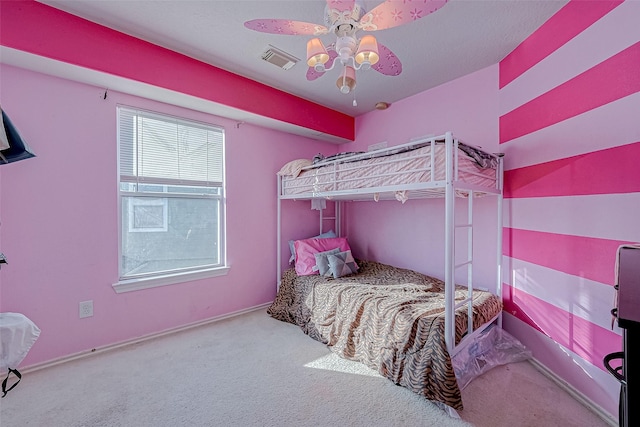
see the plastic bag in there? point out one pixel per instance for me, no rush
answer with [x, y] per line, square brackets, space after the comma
[493, 347]
[17, 335]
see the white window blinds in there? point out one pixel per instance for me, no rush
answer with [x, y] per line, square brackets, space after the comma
[166, 150]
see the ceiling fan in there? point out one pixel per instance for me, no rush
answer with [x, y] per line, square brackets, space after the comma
[345, 18]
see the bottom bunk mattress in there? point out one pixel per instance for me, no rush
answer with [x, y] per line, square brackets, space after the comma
[391, 319]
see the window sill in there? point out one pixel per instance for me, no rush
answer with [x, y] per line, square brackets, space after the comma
[130, 285]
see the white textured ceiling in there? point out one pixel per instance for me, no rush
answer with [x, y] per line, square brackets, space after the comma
[462, 37]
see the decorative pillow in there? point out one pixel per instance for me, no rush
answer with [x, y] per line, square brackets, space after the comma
[306, 250]
[329, 233]
[294, 167]
[322, 262]
[342, 263]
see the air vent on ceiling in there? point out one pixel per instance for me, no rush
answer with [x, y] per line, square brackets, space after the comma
[279, 58]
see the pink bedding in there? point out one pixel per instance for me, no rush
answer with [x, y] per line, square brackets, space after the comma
[414, 166]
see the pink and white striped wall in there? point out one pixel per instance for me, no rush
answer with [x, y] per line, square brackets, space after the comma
[569, 99]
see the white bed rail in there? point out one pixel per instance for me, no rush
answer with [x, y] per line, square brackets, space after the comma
[421, 173]
[451, 263]
[449, 248]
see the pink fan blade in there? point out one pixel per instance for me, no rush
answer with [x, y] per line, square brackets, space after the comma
[285, 26]
[312, 74]
[392, 13]
[389, 64]
[340, 5]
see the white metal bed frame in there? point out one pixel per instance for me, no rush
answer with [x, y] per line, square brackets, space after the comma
[448, 188]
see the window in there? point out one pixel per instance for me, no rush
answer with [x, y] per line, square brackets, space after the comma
[171, 200]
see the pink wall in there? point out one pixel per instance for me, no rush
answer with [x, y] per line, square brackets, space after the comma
[59, 219]
[569, 99]
[412, 235]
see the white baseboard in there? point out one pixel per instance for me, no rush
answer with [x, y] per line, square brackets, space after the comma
[595, 408]
[114, 346]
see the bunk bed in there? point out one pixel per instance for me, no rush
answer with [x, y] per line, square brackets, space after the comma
[406, 325]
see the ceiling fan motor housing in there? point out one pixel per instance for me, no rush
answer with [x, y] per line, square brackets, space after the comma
[346, 47]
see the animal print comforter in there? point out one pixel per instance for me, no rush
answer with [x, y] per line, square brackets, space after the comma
[388, 318]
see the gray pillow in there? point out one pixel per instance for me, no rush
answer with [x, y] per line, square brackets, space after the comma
[322, 262]
[341, 264]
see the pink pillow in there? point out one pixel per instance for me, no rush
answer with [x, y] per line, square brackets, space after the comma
[307, 248]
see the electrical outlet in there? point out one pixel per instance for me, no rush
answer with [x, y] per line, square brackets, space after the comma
[86, 309]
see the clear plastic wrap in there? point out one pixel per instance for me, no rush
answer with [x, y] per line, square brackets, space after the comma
[492, 347]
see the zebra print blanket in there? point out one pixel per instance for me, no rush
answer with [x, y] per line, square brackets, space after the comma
[388, 318]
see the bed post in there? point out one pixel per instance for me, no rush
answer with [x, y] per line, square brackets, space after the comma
[500, 173]
[449, 285]
[279, 236]
[337, 210]
[469, 261]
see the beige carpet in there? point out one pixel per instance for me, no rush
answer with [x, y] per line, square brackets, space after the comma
[519, 395]
[252, 370]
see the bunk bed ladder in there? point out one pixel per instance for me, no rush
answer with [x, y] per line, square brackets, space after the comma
[337, 218]
[451, 265]
[451, 227]
[468, 263]
[279, 235]
[449, 251]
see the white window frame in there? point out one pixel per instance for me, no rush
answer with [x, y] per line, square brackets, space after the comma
[151, 280]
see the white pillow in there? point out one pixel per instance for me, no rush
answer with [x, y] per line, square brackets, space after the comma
[294, 167]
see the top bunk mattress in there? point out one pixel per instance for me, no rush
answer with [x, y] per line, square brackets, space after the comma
[413, 167]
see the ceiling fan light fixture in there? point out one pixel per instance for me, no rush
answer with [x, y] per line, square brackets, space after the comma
[347, 80]
[345, 46]
[317, 54]
[367, 54]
